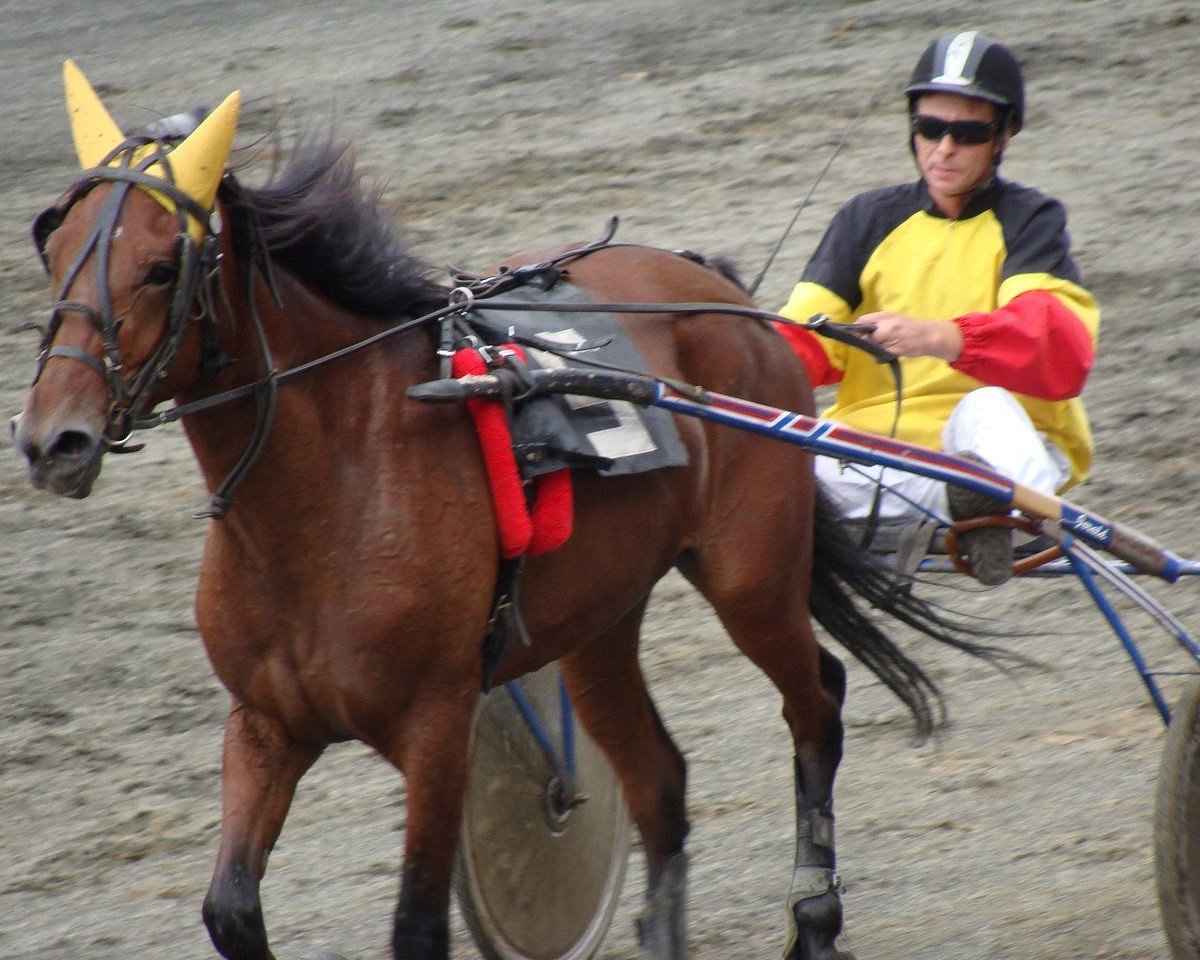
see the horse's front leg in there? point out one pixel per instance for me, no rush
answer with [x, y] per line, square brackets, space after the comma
[260, 769]
[432, 754]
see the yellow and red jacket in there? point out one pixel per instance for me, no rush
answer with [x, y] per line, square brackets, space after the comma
[1002, 271]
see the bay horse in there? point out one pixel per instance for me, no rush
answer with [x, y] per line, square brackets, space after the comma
[348, 575]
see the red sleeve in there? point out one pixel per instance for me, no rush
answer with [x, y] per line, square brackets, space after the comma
[1033, 345]
[806, 346]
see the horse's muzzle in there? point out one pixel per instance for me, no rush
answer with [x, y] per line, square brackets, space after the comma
[66, 461]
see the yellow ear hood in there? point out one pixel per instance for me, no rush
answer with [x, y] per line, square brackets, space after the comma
[198, 163]
[95, 132]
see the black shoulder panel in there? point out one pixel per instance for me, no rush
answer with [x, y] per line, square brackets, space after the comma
[1035, 233]
[856, 230]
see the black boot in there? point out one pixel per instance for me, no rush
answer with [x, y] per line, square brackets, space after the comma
[814, 900]
[662, 927]
[988, 550]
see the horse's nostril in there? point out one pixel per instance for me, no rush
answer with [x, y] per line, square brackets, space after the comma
[71, 443]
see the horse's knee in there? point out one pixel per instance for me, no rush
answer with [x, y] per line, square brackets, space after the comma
[232, 913]
[652, 770]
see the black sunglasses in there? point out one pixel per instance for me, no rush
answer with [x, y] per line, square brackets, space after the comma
[967, 132]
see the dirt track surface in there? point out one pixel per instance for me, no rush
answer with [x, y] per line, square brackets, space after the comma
[1022, 832]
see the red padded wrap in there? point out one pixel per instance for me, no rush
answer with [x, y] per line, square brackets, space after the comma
[553, 512]
[519, 531]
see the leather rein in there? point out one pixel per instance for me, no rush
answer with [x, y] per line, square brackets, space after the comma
[195, 294]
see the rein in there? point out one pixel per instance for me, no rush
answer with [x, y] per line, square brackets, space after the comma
[464, 298]
[199, 270]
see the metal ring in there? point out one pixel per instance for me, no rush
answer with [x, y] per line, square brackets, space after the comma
[462, 297]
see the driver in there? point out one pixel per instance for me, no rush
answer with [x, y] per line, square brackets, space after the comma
[969, 279]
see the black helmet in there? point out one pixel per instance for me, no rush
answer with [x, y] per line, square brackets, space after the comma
[971, 65]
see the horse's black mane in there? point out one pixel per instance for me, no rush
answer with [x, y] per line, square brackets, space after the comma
[323, 223]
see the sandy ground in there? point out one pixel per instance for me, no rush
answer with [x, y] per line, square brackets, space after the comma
[1023, 831]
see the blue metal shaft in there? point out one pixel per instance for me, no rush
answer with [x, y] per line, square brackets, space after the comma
[562, 762]
[1084, 572]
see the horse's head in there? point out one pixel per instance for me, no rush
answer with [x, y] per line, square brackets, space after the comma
[129, 251]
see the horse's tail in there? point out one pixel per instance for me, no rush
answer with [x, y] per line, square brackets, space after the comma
[842, 570]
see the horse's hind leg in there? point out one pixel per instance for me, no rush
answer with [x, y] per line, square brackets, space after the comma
[762, 602]
[610, 697]
[814, 900]
[261, 767]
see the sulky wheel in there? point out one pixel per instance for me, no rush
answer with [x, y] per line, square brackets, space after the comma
[539, 868]
[1177, 828]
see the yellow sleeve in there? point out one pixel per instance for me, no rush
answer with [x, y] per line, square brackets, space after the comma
[811, 299]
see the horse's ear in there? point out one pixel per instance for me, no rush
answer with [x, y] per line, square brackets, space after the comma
[96, 133]
[198, 163]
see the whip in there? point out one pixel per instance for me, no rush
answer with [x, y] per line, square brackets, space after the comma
[866, 108]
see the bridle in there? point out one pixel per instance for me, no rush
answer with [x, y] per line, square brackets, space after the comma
[197, 263]
[193, 300]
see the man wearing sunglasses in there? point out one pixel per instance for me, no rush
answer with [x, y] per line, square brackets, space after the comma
[969, 279]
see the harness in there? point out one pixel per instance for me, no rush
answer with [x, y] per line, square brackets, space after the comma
[196, 263]
[195, 300]
[196, 293]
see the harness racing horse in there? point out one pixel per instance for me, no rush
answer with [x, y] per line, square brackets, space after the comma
[351, 561]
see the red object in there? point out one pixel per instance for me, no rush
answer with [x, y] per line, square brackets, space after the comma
[553, 513]
[1033, 345]
[519, 531]
[806, 346]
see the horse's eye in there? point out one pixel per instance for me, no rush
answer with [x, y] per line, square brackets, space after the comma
[161, 274]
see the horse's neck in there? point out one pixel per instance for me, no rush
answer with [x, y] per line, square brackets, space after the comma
[313, 409]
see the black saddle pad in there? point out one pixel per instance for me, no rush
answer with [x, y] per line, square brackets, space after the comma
[550, 432]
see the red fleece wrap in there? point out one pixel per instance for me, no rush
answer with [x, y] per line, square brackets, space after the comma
[548, 526]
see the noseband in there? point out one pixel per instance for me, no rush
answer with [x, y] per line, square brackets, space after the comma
[192, 297]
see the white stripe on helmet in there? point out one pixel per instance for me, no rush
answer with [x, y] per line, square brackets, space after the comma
[958, 52]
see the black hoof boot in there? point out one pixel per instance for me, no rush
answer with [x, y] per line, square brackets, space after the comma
[662, 927]
[814, 900]
[816, 924]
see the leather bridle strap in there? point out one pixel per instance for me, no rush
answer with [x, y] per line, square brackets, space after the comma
[127, 397]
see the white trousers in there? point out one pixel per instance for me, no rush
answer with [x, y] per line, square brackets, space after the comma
[989, 423]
